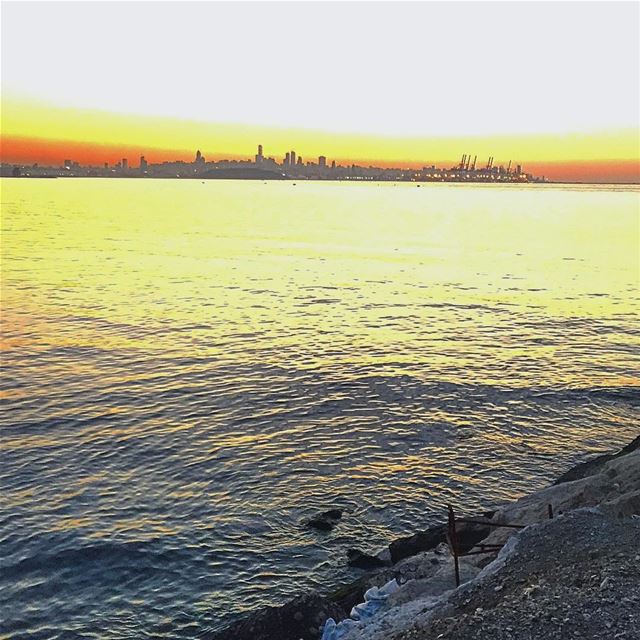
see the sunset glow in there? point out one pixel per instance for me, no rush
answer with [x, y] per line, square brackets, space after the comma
[94, 137]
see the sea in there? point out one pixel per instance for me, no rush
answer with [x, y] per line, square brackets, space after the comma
[190, 370]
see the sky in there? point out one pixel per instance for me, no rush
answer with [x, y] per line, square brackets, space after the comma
[554, 86]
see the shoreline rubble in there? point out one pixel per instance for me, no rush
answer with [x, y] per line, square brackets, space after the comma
[423, 566]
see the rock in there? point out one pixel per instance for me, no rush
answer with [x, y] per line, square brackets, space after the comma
[468, 536]
[422, 541]
[361, 560]
[349, 595]
[299, 619]
[385, 555]
[591, 467]
[321, 524]
[326, 520]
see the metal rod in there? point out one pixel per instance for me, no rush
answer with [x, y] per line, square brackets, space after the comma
[491, 524]
[454, 543]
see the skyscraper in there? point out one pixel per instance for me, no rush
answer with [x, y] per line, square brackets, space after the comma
[287, 159]
[143, 164]
[293, 158]
[322, 161]
[259, 156]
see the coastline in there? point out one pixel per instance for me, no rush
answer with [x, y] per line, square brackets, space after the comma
[304, 616]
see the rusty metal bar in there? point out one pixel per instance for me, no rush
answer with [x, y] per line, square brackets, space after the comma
[491, 524]
[453, 541]
[452, 536]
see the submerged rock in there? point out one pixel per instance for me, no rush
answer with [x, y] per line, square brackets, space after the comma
[326, 520]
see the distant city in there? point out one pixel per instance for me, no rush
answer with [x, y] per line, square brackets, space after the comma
[292, 166]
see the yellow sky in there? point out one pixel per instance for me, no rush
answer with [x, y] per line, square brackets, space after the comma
[147, 133]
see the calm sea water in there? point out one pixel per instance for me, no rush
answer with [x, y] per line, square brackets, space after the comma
[190, 370]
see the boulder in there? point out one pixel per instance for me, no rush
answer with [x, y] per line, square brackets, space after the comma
[594, 466]
[422, 541]
[326, 520]
[468, 536]
[299, 619]
[361, 560]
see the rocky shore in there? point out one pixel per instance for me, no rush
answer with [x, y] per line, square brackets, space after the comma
[574, 576]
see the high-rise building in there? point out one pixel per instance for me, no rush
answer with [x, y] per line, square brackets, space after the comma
[293, 158]
[259, 156]
[322, 161]
[287, 159]
[125, 164]
[143, 164]
[299, 163]
[333, 164]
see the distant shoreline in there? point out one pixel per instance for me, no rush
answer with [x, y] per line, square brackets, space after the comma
[289, 179]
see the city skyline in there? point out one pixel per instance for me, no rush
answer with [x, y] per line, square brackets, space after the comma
[292, 165]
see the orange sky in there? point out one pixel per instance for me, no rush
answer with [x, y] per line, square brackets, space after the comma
[29, 150]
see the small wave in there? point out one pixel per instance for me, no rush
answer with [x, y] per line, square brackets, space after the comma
[134, 555]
